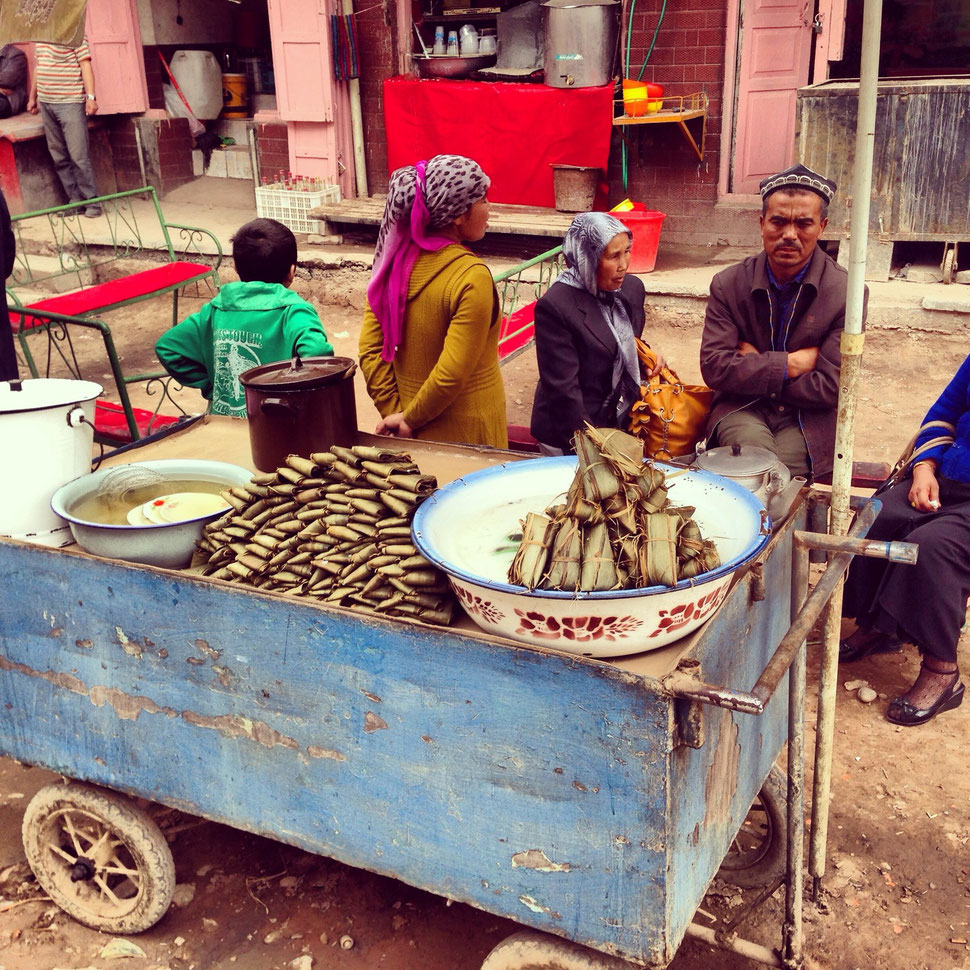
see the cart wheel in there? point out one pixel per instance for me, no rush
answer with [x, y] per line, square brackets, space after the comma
[758, 853]
[101, 859]
[538, 951]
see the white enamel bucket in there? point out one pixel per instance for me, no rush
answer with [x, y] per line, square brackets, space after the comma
[46, 437]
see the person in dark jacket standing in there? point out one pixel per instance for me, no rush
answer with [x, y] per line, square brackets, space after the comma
[13, 80]
[8, 357]
[770, 348]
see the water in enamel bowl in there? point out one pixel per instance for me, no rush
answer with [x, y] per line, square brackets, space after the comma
[113, 510]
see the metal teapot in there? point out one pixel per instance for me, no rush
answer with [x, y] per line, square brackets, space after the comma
[758, 470]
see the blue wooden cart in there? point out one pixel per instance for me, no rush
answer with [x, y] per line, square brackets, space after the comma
[590, 800]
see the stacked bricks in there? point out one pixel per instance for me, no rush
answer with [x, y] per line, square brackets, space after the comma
[272, 147]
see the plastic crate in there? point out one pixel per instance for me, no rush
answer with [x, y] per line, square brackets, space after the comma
[291, 206]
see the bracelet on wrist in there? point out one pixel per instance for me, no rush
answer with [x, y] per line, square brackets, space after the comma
[926, 461]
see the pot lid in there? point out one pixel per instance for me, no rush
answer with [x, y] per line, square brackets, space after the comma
[45, 392]
[735, 461]
[299, 374]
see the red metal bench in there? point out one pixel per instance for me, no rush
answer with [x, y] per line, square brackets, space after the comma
[83, 251]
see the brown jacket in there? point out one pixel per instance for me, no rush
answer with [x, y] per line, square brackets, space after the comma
[739, 309]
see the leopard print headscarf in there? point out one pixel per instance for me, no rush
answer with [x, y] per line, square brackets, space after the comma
[420, 199]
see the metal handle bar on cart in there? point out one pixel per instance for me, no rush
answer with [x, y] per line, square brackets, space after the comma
[684, 685]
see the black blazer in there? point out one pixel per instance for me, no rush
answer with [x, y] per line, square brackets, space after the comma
[576, 350]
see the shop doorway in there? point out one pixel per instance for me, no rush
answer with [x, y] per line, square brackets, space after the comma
[774, 59]
[275, 104]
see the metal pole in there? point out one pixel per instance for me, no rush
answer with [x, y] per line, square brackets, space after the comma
[356, 122]
[852, 344]
[793, 934]
[684, 684]
[735, 944]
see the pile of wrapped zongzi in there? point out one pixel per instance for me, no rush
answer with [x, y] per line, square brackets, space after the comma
[335, 527]
[616, 529]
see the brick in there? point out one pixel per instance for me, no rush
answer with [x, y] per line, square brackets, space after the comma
[692, 19]
[708, 73]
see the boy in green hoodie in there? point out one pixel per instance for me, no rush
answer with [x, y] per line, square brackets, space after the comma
[258, 320]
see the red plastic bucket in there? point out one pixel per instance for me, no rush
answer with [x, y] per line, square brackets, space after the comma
[645, 226]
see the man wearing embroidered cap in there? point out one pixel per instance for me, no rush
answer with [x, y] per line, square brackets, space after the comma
[770, 348]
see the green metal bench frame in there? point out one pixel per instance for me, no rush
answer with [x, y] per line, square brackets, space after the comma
[519, 288]
[80, 249]
[58, 357]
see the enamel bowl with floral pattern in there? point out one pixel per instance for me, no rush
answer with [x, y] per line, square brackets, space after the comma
[469, 529]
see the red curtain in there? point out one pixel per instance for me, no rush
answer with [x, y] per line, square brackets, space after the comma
[514, 131]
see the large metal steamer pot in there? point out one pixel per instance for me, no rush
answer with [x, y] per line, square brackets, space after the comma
[46, 434]
[580, 39]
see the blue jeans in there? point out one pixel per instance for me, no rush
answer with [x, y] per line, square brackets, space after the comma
[66, 128]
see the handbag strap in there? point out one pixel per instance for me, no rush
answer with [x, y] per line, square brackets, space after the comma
[911, 453]
[648, 360]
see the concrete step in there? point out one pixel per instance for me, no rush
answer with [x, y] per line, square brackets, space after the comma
[235, 128]
[512, 220]
[233, 162]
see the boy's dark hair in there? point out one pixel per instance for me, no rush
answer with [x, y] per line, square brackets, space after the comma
[263, 250]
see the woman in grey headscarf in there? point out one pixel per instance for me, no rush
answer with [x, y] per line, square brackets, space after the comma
[585, 326]
[428, 346]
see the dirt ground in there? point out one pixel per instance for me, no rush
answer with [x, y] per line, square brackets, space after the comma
[895, 893]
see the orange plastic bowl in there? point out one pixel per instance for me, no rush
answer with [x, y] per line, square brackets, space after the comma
[635, 103]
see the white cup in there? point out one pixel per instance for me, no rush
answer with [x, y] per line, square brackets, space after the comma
[469, 41]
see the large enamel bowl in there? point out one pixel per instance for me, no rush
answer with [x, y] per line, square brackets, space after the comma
[450, 66]
[170, 545]
[466, 528]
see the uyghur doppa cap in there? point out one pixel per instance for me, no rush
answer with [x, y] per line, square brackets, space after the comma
[798, 177]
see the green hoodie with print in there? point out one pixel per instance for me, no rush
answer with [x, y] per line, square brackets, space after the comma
[247, 324]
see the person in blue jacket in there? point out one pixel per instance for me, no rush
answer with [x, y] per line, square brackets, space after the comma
[925, 603]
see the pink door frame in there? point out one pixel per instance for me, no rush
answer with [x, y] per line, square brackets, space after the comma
[828, 47]
[315, 108]
[116, 56]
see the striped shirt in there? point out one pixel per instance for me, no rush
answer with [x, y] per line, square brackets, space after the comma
[59, 72]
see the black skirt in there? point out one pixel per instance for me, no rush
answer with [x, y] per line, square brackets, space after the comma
[925, 603]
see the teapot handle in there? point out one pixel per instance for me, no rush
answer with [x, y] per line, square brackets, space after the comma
[778, 478]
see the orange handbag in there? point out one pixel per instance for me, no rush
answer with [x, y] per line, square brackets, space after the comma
[670, 416]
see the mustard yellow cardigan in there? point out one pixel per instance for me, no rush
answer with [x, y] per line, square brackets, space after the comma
[445, 376]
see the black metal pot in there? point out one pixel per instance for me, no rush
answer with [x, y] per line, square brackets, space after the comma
[299, 407]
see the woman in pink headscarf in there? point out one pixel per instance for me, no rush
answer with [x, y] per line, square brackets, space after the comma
[428, 347]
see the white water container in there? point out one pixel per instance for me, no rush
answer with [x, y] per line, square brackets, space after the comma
[199, 76]
[46, 430]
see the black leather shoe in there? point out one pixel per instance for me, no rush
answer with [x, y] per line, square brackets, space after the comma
[902, 712]
[871, 642]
